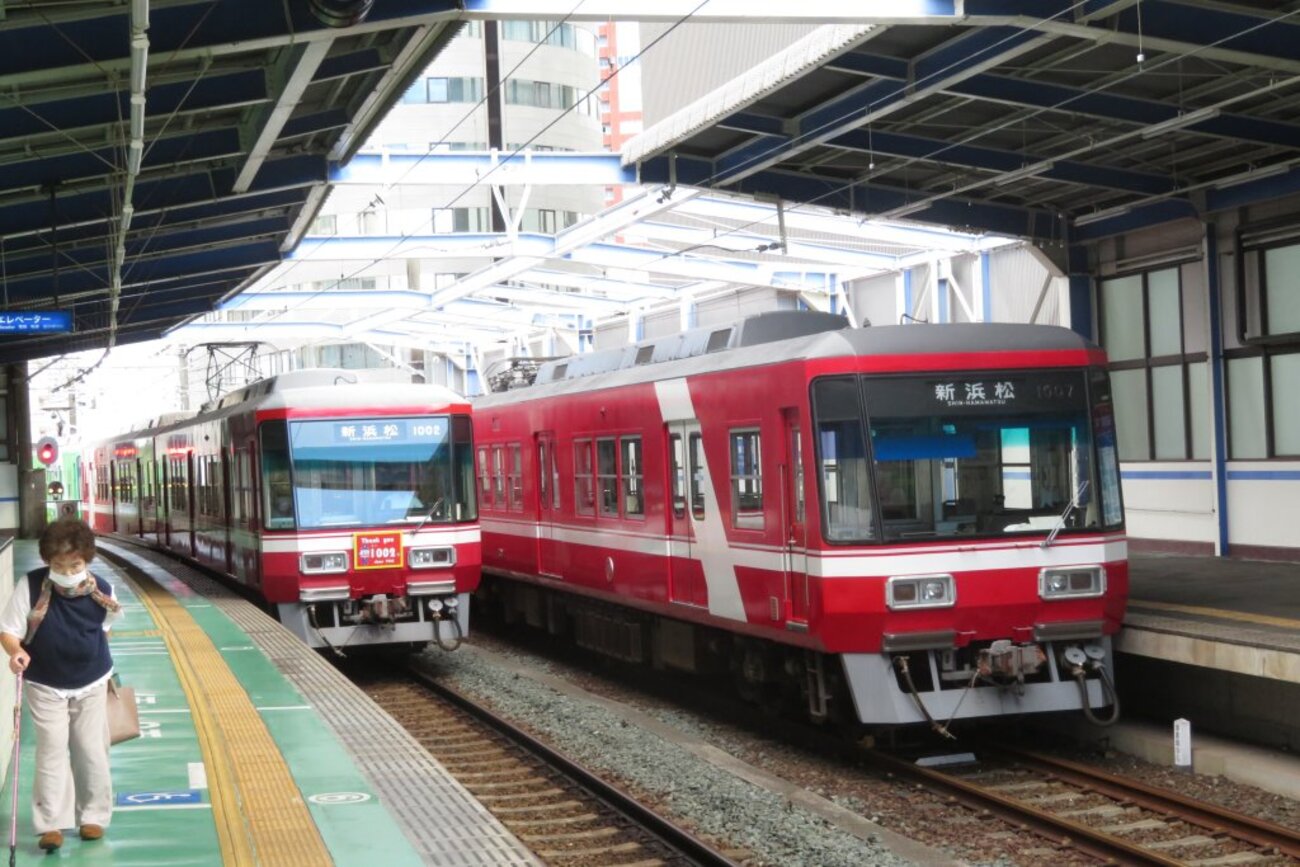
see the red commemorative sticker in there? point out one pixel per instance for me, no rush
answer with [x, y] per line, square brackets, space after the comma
[382, 550]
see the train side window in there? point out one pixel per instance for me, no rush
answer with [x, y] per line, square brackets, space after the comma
[555, 478]
[746, 480]
[607, 474]
[462, 440]
[276, 479]
[484, 477]
[697, 476]
[677, 474]
[499, 477]
[514, 477]
[633, 496]
[583, 491]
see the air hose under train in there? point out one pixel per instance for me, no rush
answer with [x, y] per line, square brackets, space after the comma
[1083, 661]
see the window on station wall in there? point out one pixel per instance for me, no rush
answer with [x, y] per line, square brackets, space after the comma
[1263, 415]
[1153, 331]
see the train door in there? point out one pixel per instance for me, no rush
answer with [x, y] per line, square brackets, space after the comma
[112, 496]
[227, 526]
[164, 502]
[685, 575]
[144, 498]
[192, 519]
[548, 503]
[254, 484]
[794, 516]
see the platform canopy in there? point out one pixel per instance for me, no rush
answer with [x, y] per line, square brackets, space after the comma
[1056, 120]
[157, 155]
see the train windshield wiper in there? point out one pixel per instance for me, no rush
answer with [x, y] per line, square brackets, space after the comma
[1065, 516]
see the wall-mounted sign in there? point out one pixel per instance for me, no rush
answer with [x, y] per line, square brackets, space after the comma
[36, 322]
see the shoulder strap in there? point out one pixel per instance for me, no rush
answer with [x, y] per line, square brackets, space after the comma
[37, 615]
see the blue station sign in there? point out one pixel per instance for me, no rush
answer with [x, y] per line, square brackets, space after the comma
[35, 322]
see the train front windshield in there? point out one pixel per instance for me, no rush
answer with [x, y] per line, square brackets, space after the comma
[368, 472]
[936, 456]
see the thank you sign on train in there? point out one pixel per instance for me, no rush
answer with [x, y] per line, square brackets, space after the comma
[377, 550]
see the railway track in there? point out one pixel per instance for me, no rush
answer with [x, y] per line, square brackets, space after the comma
[1117, 820]
[566, 815]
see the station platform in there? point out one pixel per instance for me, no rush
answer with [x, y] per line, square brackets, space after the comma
[1214, 640]
[254, 750]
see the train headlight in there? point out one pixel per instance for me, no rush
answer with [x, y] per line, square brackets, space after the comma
[320, 564]
[920, 591]
[1072, 582]
[431, 558]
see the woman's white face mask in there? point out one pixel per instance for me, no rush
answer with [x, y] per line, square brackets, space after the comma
[67, 581]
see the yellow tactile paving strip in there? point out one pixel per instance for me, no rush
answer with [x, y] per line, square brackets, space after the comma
[260, 814]
[1219, 613]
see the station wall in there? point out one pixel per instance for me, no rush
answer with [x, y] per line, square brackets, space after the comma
[1201, 320]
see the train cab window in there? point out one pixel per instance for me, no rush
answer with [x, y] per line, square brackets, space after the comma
[633, 495]
[583, 488]
[462, 443]
[276, 479]
[484, 476]
[677, 474]
[514, 477]
[718, 340]
[696, 452]
[746, 480]
[607, 476]
[843, 470]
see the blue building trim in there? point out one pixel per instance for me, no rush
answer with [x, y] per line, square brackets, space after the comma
[1264, 475]
[1166, 474]
[1219, 405]
[941, 286]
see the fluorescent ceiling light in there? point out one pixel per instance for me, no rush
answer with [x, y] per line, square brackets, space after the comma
[1098, 216]
[1253, 175]
[1180, 121]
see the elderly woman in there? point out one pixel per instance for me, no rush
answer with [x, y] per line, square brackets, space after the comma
[55, 630]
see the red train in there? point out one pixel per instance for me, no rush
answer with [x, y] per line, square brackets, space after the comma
[343, 498]
[887, 524]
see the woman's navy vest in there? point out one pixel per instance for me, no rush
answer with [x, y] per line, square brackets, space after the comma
[70, 648]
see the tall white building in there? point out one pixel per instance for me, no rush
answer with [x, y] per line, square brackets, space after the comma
[549, 71]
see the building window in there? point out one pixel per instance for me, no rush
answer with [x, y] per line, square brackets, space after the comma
[583, 490]
[1263, 415]
[746, 480]
[1157, 367]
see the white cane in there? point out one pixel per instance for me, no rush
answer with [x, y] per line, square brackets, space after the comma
[13, 771]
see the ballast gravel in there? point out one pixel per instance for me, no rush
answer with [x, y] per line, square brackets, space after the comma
[714, 803]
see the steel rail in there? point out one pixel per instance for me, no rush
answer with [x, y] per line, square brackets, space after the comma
[1257, 832]
[670, 834]
[1064, 832]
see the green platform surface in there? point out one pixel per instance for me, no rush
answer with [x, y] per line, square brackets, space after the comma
[163, 813]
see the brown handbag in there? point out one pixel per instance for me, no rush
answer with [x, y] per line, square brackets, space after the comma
[123, 715]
